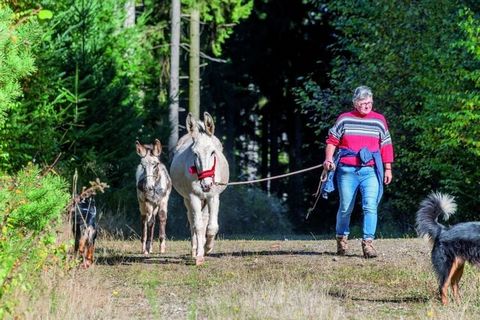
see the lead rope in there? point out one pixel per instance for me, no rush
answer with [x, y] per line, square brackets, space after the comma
[323, 179]
[269, 178]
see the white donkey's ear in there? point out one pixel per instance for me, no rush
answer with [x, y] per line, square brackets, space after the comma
[209, 125]
[157, 148]
[141, 150]
[191, 125]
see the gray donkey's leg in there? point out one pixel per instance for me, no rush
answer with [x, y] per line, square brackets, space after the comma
[144, 233]
[212, 228]
[151, 228]
[162, 216]
[143, 216]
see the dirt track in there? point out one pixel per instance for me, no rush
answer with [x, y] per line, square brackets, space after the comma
[241, 275]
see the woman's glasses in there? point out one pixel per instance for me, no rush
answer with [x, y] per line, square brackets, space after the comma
[365, 104]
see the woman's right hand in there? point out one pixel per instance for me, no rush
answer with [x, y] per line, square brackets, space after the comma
[328, 165]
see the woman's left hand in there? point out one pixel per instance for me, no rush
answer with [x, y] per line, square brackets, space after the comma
[388, 176]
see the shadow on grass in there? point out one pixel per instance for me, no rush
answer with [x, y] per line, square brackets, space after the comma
[112, 260]
[412, 299]
[278, 253]
[125, 259]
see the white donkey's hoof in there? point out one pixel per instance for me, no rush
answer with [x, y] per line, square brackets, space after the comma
[199, 261]
[208, 248]
[163, 248]
[209, 244]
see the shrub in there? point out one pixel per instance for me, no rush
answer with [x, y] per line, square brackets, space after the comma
[243, 211]
[32, 207]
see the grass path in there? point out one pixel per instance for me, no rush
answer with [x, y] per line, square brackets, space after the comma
[261, 280]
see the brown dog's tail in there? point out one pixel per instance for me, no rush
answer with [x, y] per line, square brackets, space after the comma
[431, 208]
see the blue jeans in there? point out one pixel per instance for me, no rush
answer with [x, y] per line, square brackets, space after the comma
[349, 180]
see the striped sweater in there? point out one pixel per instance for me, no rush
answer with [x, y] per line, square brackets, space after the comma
[355, 131]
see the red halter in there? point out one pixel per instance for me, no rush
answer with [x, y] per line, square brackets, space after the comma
[206, 173]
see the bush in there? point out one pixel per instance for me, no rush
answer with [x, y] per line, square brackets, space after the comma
[32, 207]
[243, 211]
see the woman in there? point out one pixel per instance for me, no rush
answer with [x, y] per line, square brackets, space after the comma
[363, 162]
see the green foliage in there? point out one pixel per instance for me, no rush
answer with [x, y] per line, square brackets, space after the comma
[32, 207]
[16, 62]
[97, 92]
[317, 104]
[461, 122]
[223, 15]
[16, 57]
[45, 15]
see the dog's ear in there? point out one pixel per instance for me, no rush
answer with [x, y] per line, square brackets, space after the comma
[157, 148]
[141, 150]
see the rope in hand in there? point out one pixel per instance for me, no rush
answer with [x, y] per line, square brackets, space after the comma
[269, 178]
[323, 179]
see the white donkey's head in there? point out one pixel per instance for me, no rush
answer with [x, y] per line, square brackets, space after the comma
[205, 146]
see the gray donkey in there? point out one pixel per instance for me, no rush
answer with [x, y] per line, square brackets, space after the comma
[153, 190]
[198, 162]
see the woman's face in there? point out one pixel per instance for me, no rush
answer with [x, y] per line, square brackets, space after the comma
[364, 106]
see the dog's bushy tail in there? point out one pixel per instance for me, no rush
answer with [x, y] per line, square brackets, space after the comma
[431, 208]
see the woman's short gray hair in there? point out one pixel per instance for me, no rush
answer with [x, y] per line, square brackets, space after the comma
[361, 93]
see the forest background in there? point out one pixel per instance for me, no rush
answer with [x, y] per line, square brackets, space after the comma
[81, 82]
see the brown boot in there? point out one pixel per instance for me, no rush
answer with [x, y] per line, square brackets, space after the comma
[368, 249]
[342, 245]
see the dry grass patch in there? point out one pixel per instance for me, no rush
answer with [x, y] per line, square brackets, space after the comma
[268, 300]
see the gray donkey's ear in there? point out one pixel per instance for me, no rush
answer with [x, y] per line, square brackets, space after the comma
[209, 125]
[191, 125]
[157, 148]
[141, 150]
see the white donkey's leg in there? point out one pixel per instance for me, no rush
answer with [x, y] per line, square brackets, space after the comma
[192, 229]
[205, 216]
[198, 226]
[212, 228]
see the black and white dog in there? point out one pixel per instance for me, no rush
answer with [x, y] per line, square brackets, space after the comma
[452, 246]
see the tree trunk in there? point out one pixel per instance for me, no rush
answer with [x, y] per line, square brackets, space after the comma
[194, 77]
[174, 72]
[130, 14]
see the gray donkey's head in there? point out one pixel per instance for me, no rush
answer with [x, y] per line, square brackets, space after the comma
[149, 170]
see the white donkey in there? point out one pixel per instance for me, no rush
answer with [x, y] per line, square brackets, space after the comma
[153, 190]
[198, 162]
